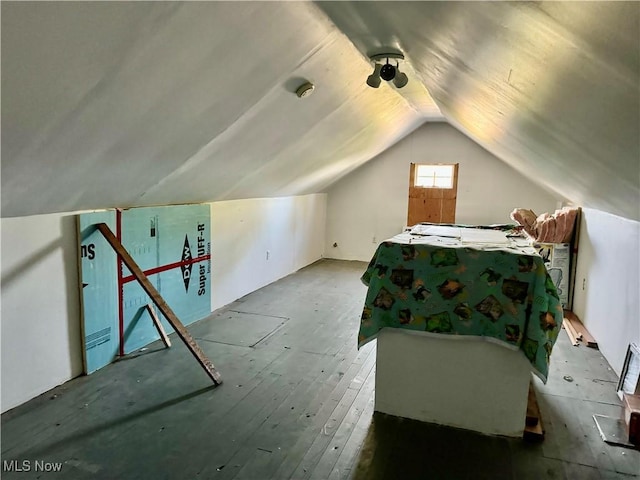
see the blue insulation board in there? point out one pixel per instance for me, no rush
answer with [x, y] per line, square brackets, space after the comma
[171, 239]
[172, 246]
[99, 284]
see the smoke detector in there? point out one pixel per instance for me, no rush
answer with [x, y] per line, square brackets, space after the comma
[305, 90]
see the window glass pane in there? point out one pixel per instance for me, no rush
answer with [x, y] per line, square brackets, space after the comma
[434, 176]
[443, 182]
[443, 170]
[424, 182]
[425, 170]
[437, 170]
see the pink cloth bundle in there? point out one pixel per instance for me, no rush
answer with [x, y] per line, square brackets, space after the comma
[546, 228]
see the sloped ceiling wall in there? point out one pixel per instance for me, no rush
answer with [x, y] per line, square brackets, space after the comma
[139, 103]
[552, 88]
[119, 104]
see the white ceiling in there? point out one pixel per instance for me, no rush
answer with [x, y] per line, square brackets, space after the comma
[118, 104]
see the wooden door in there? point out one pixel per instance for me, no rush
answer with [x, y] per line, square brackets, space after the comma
[432, 204]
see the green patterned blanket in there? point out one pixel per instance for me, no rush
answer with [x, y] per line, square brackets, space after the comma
[444, 286]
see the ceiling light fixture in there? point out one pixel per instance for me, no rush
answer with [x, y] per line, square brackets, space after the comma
[373, 80]
[386, 71]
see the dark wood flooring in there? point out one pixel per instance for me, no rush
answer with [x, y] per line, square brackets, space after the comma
[296, 402]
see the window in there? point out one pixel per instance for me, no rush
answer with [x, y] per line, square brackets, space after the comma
[434, 176]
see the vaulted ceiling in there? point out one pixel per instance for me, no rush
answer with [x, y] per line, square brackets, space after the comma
[119, 104]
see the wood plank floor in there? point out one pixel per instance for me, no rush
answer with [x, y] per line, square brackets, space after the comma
[296, 402]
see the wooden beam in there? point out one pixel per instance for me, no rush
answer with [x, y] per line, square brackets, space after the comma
[533, 431]
[158, 324]
[580, 329]
[533, 411]
[157, 299]
[571, 333]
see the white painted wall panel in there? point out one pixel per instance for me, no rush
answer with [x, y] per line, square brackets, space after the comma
[498, 377]
[609, 268]
[290, 229]
[370, 204]
[41, 340]
[310, 224]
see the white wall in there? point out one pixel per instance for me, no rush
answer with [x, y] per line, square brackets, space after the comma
[609, 267]
[40, 324]
[370, 204]
[291, 229]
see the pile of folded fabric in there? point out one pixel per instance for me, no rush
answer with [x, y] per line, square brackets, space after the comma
[546, 228]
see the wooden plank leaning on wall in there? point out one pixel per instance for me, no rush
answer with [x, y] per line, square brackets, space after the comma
[157, 299]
